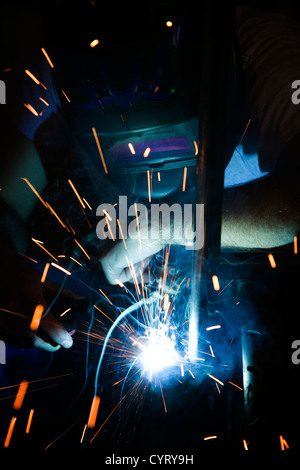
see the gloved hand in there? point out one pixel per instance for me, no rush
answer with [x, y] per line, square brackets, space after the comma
[116, 262]
[21, 291]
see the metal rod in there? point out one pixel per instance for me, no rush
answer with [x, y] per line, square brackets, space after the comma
[213, 128]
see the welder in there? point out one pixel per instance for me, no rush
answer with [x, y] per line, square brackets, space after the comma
[138, 84]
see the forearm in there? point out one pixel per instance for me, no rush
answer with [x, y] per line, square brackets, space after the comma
[263, 214]
[20, 159]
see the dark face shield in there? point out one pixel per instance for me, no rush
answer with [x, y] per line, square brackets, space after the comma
[133, 79]
[136, 87]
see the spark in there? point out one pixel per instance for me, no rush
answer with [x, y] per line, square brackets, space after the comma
[20, 395]
[93, 412]
[84, 200]
[47, 57]
[55, 215]
[196, 147]
[62, 434]
[100, 150]
[214, 378]
[245, 444]
[245, 131]
[66, 311]
[211, 350]
[209, 437]
[29, 421]
[31, 108]
[57, 266]
[295, 245]
[272, 260]
[283, 444]
[76, 193]
[107, 215]
[149, 185]
[109, 229]
[235, 385]
[94, 43]
[43, 101]
[215, 327]
[83, 433]
[131, 148]
[169, 24]
[184, 179]
[10, 431]
[138, 225]
[35, 191]
[66, 96]
[146, 153]
[34, 79]
[158, 175]
[122, 235]
[105, 297]
[45, 272]
[81, 247]
[75, 260]
[119, 283]
[35, 322]
[215, 281]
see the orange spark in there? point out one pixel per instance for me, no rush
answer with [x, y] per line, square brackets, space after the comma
[31, 108]
[209, 437]
[149, 185]
[10, 431]
[61, 268]
[81, 247]
[93, 412]
[35, 191]
[245, 444]
[272, 260]
[122, 235]
[215, 281]
[44, 101]
[76, 193]
[245, 131]
[214, 378]
[213, 327]
[131, 148]
[65, 95]
[34, 78]
[47, 57]
[39, 244]
[66, 311]
[20, 395]
[29, 421]
[283, 444]
[237, 386]
[35, 322]
[94, 43]
[196, 147]
[100, 150]
[295, 245]
[184, 178]
[147, 151]
[45, 272]
[105, 296]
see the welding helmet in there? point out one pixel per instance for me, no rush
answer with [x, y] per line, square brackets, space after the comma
[130, 73]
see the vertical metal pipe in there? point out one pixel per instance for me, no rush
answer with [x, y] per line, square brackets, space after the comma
[213, 142]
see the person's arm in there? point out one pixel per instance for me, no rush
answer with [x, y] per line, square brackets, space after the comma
[20, 284]
[262, 214]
